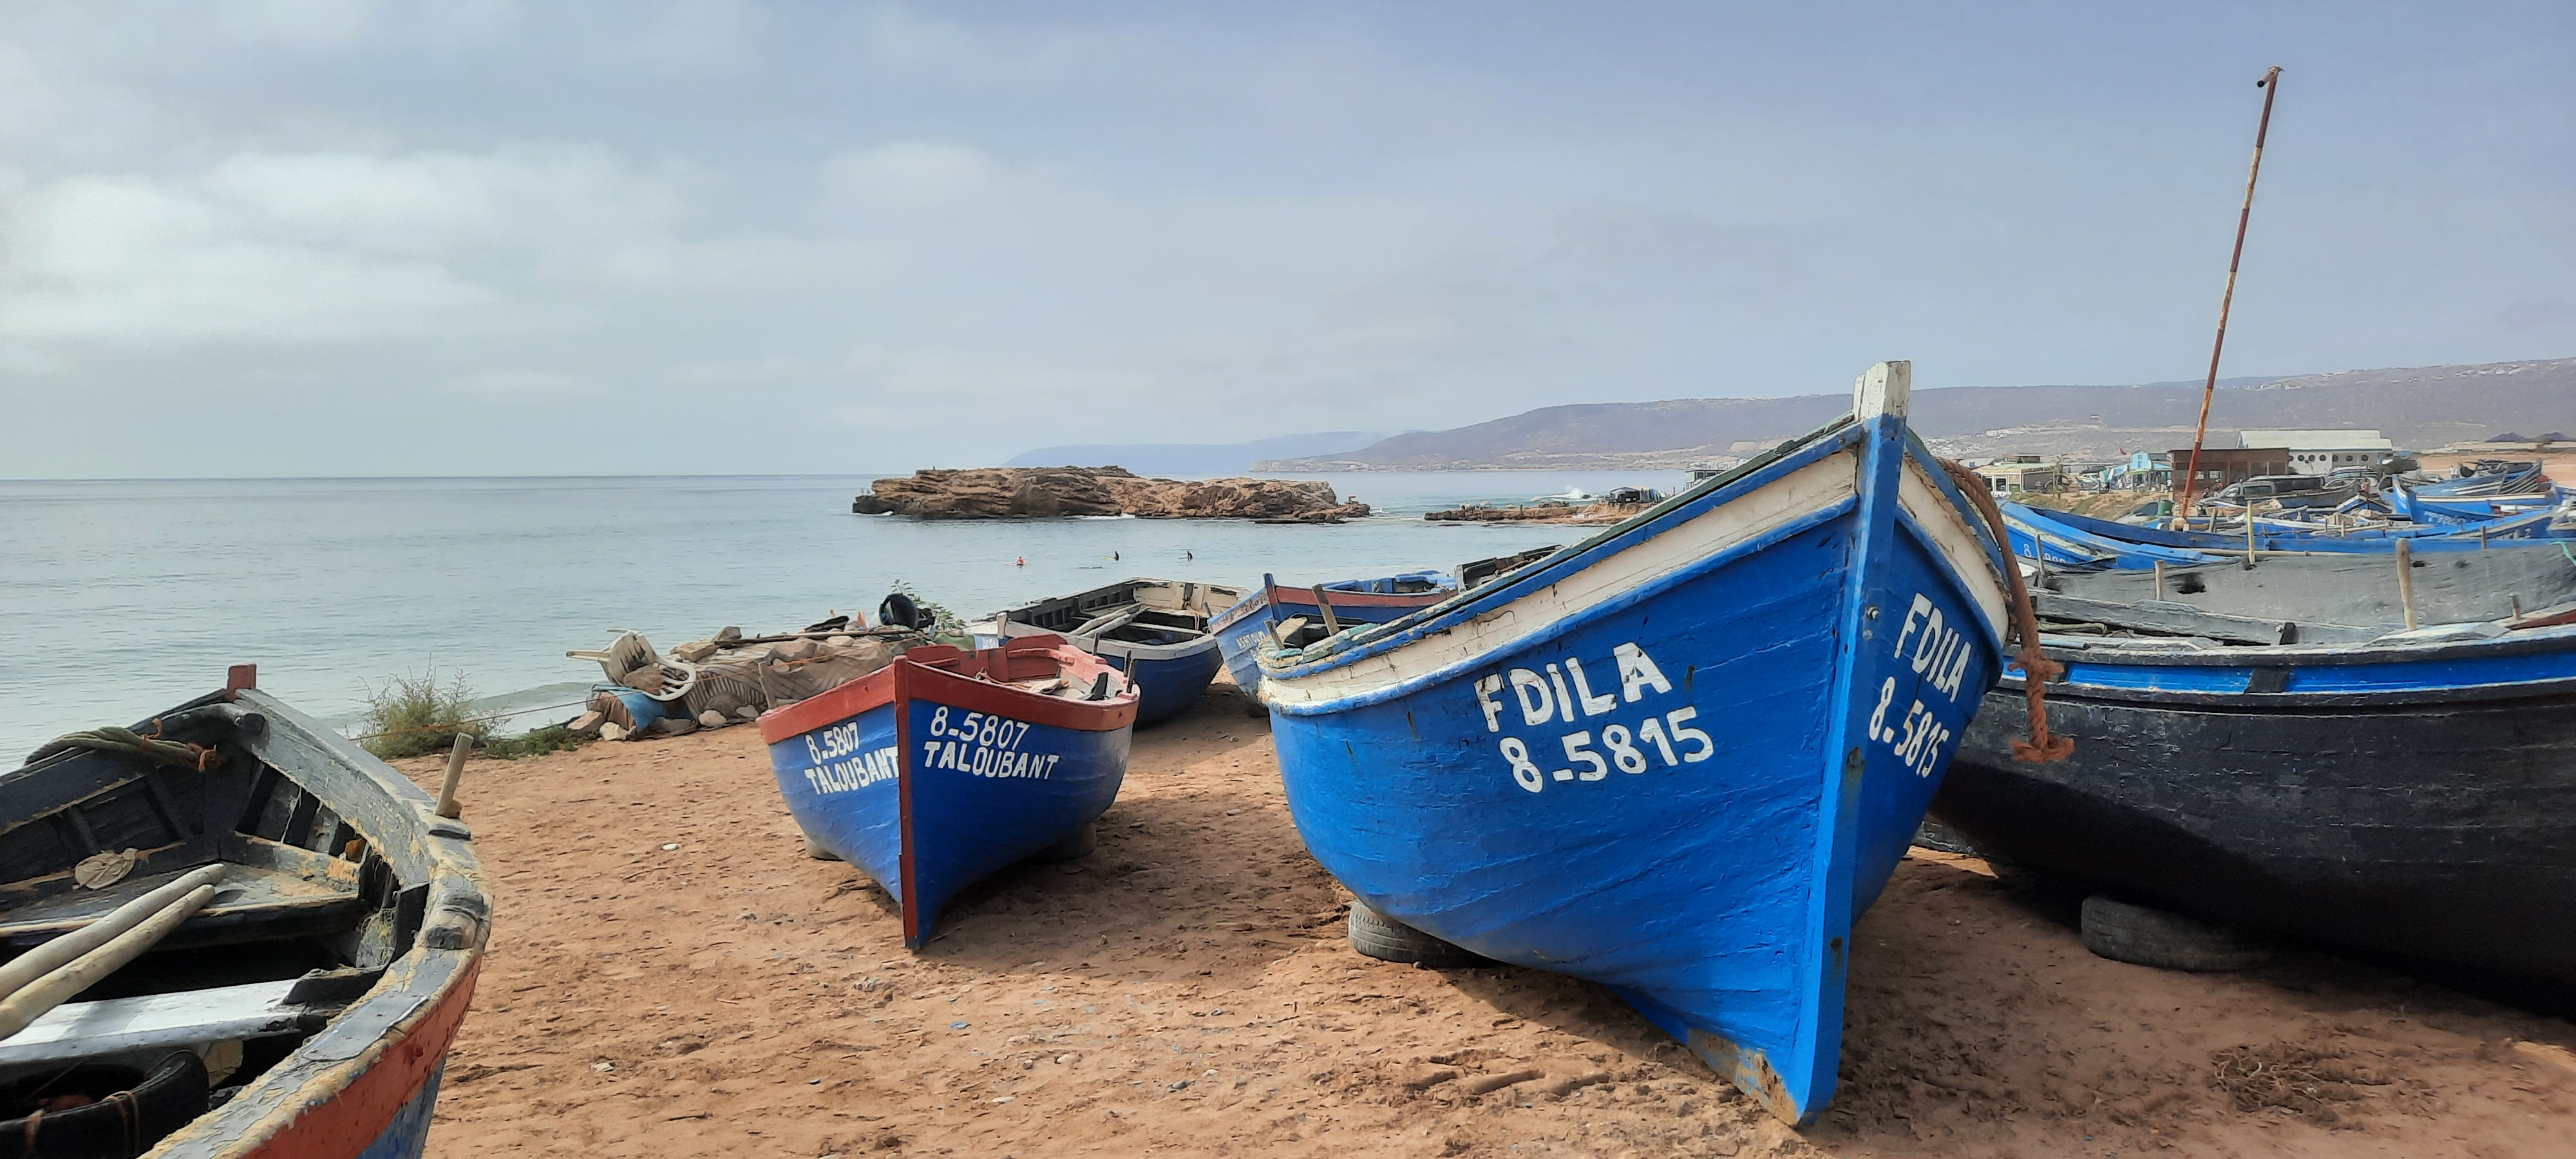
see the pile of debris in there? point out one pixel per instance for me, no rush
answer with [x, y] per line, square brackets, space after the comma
[727, 678]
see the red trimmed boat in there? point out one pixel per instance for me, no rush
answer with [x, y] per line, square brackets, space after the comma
[272, 938]
[947, 765]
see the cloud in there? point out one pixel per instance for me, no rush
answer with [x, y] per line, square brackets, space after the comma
[903, 175]
[297, 248]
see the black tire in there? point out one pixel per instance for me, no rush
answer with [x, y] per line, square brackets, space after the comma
[1072, 846]
[1935, 835]
[135, 1111]
[2166, 940]
[1378, 936]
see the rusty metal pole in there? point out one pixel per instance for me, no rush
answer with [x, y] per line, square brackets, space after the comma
[2271, 86]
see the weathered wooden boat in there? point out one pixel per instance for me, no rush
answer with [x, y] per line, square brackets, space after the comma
[319, 932]
[1155, 631]
[1479, 572]
[1242, 630]
[2379, 540]
[1679, 757]
[2365, 596]
[2410, 795]
[946, 765]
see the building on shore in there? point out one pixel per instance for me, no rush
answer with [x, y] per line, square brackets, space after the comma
[2321, 452]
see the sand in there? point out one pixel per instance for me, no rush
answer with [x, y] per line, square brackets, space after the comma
[1186, 990]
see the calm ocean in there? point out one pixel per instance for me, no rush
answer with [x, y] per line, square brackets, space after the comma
[119, 598]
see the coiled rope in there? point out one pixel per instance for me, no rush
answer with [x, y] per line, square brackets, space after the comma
[150, 746]
[2037, 669]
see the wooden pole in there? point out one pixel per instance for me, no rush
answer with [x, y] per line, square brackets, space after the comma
[2160, 579]
[1332, 623]
[60, 986]
[2271, 86]
[2249, 531]
[2406, 580]
[45, 959]
[455, 769]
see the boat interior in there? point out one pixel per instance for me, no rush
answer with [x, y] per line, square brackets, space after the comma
[311, 909]
[1156, 612]
[2290, 598]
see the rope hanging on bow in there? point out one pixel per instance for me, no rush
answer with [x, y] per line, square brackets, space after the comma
[2037, 669]
[151, 747]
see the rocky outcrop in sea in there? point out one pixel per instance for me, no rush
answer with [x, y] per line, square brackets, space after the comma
[1004, 492]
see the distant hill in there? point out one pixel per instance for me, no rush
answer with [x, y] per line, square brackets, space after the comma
[2416, 407]
[1197, 458]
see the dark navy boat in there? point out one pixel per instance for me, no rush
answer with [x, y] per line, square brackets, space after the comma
[1155, 631]
[272, 937]
[946, 765]
[1679, 757]
[2337, 778]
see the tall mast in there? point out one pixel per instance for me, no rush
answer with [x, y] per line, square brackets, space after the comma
[2271, 86]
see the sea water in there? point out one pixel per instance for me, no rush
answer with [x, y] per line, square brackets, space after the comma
[122, 597]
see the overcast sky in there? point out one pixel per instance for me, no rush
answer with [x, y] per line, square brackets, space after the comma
[480, 237]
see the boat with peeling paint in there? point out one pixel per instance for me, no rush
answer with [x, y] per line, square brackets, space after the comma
[2345, 779]
[947, 765]
[1679, 757]
[1243, 630]
[305, 1011]
[1153, 630]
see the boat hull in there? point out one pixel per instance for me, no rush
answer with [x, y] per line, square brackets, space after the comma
[1677, 759]
[929, 780]
[2417, 808]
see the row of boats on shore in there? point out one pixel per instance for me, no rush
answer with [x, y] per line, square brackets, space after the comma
[1680, 757]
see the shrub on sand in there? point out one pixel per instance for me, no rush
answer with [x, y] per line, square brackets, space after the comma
[535, 742]
[412, 715]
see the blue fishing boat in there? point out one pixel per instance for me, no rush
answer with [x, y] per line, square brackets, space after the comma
[1681, 756]
[947, 765]
[2271, 538]
[1243, 630]
[1155, 631]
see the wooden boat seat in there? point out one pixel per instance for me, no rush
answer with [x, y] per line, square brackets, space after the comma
[251, 896]
[150, 1022]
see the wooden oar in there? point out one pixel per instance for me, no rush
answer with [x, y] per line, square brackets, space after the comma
[44, 959]
[1108, 622]
[35, 998]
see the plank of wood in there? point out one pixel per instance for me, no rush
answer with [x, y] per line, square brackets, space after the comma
[78, 1030]
[2163, 618]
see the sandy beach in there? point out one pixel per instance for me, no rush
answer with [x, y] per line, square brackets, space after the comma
[669, 975]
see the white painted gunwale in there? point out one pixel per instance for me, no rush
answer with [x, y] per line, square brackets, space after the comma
[1828, 483]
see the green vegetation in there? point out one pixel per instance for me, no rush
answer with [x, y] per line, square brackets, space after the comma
[535, 742]
[948, 624]
[412, 715]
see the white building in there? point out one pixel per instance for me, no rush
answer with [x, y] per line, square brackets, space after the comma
[2323, 452]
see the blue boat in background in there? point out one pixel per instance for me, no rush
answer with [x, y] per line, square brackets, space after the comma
[1679, 757]
[947, 765]
[2272, 538]
[2066, 545]
[1243, 630]
[1154, 630]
